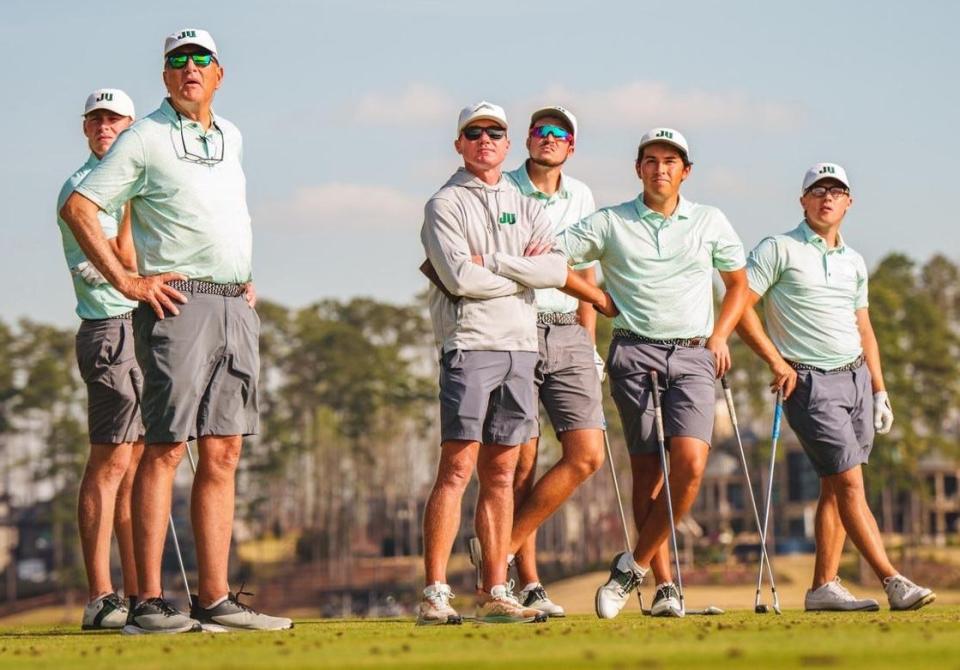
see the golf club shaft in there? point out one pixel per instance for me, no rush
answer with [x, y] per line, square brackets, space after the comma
[193, 463]
[775, 435]
[764, 558]
[616, 489]
[183, 570]
[661, 443]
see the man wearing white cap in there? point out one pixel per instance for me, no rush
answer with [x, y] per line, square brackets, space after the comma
[489, 247]
[658, 254]
[823, 353]
[195, 334]
[569, 370]
[107, 365]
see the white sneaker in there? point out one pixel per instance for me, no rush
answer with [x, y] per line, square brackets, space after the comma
[612, 596]
[435, 609]
[667, 601]
[108, 612]
[834, 597]
[905, 595]
[499, 606]
[537, 598]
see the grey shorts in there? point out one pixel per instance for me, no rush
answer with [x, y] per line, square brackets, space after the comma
[109, 369]
[200, 369]
[832, 416]
[487, 396]
[566, 378]
[687, 385]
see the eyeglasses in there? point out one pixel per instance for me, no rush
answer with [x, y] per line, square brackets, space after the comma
[473, 133]
[547, 130]
[822, 191]
[179, 61]
[191, 157]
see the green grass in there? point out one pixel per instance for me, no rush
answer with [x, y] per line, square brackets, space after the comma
[910, 640]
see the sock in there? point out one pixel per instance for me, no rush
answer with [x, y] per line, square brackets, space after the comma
[510, 559]
[216, 602]
[628, 564]
[531, 586]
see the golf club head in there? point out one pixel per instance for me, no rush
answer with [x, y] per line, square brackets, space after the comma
[760, 609]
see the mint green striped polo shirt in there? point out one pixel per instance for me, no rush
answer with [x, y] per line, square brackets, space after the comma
[572, 202]
[93, 302]
[659, 270]
[189, 209]
[810, 296]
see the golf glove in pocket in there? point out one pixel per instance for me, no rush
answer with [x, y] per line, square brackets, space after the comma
[88, 273]
[601, 365]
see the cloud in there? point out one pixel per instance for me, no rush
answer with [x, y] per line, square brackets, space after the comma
[651, 103]
[416, 104]
[345, 206]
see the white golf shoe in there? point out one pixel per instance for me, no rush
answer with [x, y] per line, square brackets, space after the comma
[612, 596]
[834, 597]
[499, 606]
[435, 609]
[666, 602]
[536, 597]
[108, 612]
[905, 595]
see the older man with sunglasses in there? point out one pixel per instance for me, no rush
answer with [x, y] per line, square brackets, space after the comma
[196, 335]
[823, 353]
[489, 247]
[569, 370]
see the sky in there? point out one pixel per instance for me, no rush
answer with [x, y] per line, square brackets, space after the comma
[348, 111]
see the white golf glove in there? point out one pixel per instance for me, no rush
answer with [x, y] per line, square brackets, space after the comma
[882, 413]
[88, 273]
[601, 365]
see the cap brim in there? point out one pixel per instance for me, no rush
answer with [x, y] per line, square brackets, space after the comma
[108, 108]
[548, 111]
[482, 117]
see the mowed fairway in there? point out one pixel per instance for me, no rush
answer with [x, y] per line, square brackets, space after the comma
[926, 639]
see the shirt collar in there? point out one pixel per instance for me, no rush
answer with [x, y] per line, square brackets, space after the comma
[92, 161]
[683, 210]
[174, 117]
[527, 187]
[811, 236]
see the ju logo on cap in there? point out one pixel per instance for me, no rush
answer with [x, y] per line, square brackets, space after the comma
[827, 169]
[508, 218]
[104, 97]
[668, 134]
[186, 33]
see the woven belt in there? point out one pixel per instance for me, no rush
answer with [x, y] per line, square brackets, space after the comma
[208, 287]
[853, 365]
[558, 318]
[125, 315]
[693, 342]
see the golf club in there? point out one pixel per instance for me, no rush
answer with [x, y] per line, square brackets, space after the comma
[775, 435]
[757, 607]
[655, 390]
[623, 517]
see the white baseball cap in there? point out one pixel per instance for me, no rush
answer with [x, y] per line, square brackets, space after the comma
[109, 98]
[481, 110]
[559, 112]
[824, 171]
[666, 136]
[190, 36]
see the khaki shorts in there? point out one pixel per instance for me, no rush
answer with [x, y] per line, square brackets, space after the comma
[108, 367]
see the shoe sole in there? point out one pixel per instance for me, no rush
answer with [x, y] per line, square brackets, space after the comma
[922, 602]
[91, 627]
[865, 608]
[540, 618]
[450, 621]
[131, 629]
[212, 627]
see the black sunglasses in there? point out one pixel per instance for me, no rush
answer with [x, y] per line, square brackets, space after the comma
[473, 133]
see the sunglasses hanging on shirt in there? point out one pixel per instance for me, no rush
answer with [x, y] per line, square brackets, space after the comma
[192, 157]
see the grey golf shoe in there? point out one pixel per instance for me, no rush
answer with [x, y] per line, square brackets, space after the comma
[612, 596]
[435, 608]
[157, 616]
[537, 599]
[232, 615]
[834, 597]
[667, 601]
[107, 612]
[905, 595]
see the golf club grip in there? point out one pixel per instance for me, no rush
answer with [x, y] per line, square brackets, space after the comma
[655, 389]
[777, 416]
[725, 383]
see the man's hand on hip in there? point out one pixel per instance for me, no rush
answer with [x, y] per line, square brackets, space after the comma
[784, 377]
[721, 353]
[155, 291]
[250, 294]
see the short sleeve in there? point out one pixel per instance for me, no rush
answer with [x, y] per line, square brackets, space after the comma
[764, 266]
[119, 176]
[861, 300]
[728, 253]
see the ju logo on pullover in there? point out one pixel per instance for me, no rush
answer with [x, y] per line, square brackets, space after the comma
[508, 218]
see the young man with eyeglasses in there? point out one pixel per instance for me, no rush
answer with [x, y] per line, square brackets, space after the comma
[569, 370]
[195, 334]
[489, 247]
[823, 353]
[658, 254]
[113, 380]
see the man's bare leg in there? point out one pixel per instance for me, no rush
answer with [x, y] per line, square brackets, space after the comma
[859, 521]
[688, 458]
[523, 482]
[123, 522]
[647, 484]
[211, 512]
[152, 493]
[441, 516]
[830, 536]
[582, 456]
[495, 467]
[105, 470]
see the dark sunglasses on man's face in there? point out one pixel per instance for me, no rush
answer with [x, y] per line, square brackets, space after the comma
[546, 130]
[179, 61]
[473, 133]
